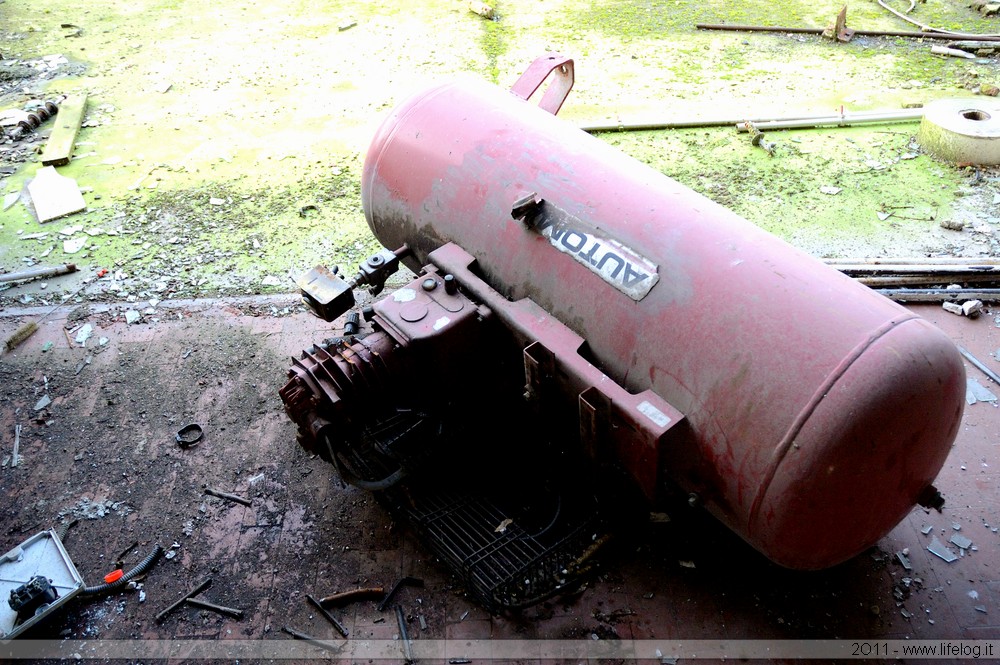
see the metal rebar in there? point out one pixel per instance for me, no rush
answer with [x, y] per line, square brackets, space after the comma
[975, 361]
[326, 615]
[231, 611]
[194, 592]
[940, 295]
[406, 581]
[333, 648]
[857, 33]
[228, 497]
[404, 636]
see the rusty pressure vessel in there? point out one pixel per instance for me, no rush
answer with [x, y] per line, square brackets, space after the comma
[817, 411]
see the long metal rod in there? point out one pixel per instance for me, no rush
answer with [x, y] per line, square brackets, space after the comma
[975, 361]
[309, 639]
[204, 604]
[858, 33]
[902, 115]
[943, 260]
[190, 594]
[902, 269]
[326, 615]
[888, 281]
[838, 120]
[35, 273]
[940, 295]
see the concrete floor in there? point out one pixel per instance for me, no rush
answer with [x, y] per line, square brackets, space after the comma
[108, 437]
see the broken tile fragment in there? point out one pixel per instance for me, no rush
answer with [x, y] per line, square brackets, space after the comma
[939, 549]
[961, 541]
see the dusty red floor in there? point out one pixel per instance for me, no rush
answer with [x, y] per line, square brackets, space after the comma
[108, 436]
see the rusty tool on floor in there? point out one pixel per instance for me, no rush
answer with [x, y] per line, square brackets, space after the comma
[345, 597]
[333, 648]
[190, 594]
[228, 497]
[404, 636]
[326, 615]
[230, 611]
[405, 581]
[34, 120]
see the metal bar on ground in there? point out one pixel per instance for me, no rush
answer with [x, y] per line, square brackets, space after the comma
[940, 295]
[35, 273]
[913, 34]
[983, 368]
[326, 615]
[231, 611]
[190, 594]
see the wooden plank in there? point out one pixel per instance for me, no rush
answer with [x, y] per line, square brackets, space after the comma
[67, 123]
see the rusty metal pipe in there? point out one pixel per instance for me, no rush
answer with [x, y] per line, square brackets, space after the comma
[859, 33]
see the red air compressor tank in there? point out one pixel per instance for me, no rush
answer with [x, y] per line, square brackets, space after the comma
[817, 411]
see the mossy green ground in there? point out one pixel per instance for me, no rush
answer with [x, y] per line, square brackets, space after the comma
[271, 106]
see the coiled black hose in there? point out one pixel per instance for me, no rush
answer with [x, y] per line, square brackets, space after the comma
[142, 567]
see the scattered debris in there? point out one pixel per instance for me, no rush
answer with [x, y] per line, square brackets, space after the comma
[830, 190]
[686, 564]
[939, 549]
[952, 224]
[74, 245]
[85, 332]
[42, 403]
[757, 138]
[54, 195]
[482, 9]
[502, 527]
[132, 316]
[59, 149]
[659, 518]
[904, 560]
[976, 392]
[839, 30]
[228, 497]
[969, 308]
[347, 25]
[961, 541]
[15, 457]
[951, 52]
[188, 436]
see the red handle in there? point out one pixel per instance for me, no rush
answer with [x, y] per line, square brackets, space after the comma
[536, 74]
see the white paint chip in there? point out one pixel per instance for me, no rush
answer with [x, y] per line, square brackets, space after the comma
[441, 323]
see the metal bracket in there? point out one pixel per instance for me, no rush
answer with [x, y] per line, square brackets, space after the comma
[839, 30]
[536, 74]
